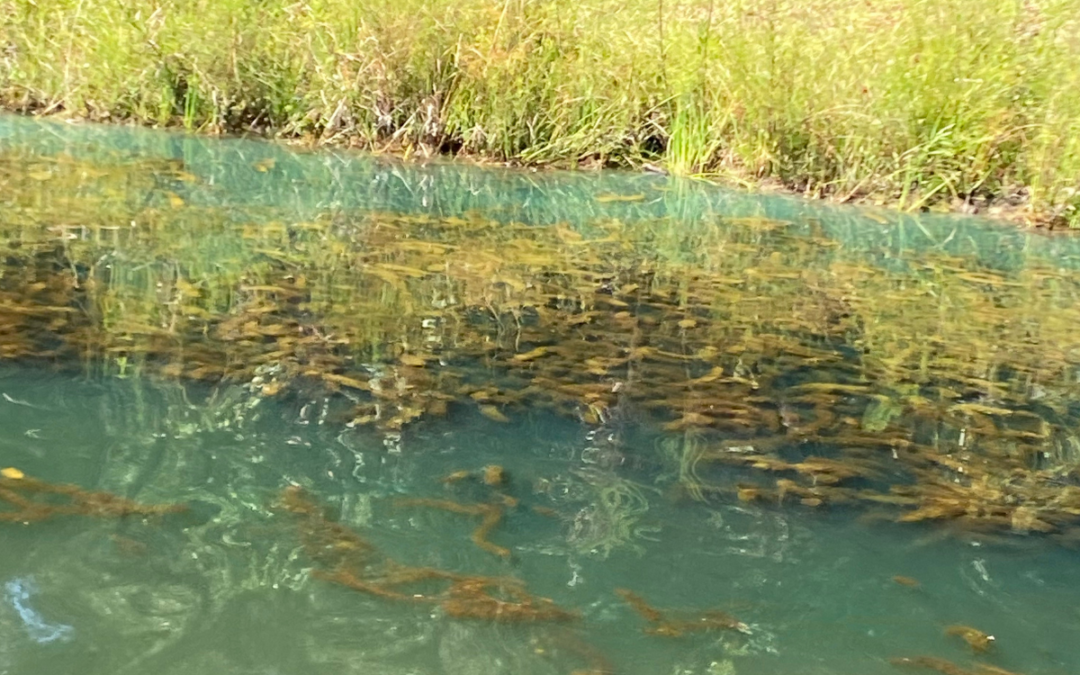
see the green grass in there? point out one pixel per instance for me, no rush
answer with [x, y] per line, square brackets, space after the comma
[914, 103]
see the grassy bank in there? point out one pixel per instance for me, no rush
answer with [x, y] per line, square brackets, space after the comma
[917, 103]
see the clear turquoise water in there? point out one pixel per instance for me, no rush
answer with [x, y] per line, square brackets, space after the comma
[225, 588]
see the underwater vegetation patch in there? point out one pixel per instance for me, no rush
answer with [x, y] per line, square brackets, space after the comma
[777, 366]
[347, 559]
[664, 623]
[767, 365]
[30, 500]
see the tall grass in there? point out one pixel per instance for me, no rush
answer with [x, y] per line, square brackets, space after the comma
[909, 102]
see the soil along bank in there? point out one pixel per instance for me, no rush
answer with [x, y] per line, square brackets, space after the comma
[915, 103]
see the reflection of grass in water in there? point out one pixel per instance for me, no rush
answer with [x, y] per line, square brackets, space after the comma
[930, 370]
[685, 450]
[612, 519]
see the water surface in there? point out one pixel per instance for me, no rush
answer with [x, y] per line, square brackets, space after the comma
[718, 402]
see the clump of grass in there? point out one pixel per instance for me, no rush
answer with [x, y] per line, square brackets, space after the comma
[916, 103]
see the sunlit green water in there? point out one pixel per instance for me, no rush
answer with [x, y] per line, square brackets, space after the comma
[225, 587]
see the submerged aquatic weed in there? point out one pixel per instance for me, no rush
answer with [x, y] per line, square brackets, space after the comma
[34, 500]
[666, 623]
[975, 638]
[783, 368]
[346, 558]
[942, 666]
[490, 516]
